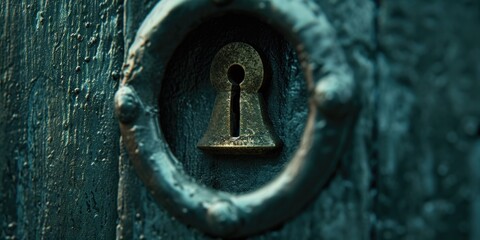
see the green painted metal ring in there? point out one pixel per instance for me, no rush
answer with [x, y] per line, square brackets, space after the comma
[331, 117]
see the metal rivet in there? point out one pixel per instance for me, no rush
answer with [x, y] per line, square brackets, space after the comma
[333, 96]
[127, 106]
[223, 216]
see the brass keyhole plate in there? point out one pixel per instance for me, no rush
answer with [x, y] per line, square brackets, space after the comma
[239, 123]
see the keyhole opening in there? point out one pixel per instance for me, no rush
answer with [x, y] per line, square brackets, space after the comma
[236, 75]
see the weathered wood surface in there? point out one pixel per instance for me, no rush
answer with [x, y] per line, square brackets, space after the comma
[59, 139]
[412, 171]
[429, 119]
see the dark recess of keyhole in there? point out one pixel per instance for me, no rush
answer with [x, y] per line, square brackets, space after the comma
[236, 74]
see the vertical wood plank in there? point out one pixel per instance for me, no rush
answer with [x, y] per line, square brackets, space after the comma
[429, 120]
[59, 151]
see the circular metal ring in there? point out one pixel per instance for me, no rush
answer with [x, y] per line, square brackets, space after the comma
[331, 116]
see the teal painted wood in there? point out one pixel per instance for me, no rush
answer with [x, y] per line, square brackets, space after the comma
[429, 120]
[412, 171]
[59, 139]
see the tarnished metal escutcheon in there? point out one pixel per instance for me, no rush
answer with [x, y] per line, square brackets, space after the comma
[332, 114]
[238, 123]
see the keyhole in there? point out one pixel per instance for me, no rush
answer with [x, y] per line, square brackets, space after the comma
[236, 74]
[238, 124]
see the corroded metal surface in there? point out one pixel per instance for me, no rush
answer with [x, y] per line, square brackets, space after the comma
[331, 117]
[239, 123]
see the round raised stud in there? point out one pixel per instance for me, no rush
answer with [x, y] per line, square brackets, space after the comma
[126, 105]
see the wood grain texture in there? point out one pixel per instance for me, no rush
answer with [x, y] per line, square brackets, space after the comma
[342, 210]
[429, 120]
[59, 151]
[412, 171]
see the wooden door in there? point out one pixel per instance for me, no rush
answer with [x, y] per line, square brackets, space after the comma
[411, 172]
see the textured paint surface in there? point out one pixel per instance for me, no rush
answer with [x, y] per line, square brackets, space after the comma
[412, 172]
[59, 138]
[429, 119]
